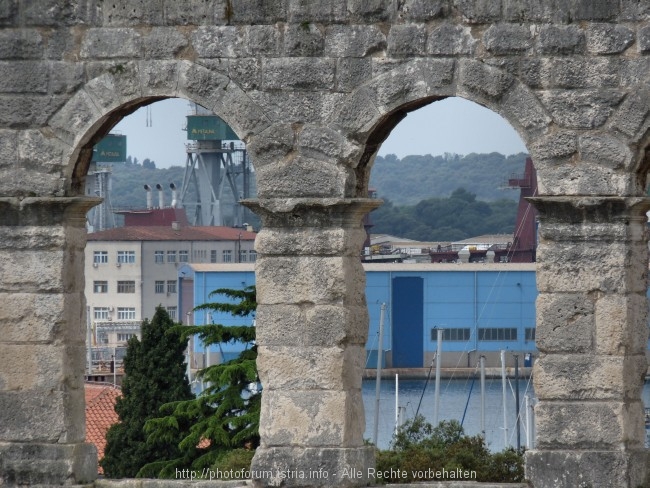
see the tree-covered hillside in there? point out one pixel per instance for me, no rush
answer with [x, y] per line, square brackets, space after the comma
[457, 217]
[408, 180]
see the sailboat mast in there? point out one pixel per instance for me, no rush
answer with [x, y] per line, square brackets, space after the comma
[380, 348]
[437, 390]
[482, 361]
[503, 385]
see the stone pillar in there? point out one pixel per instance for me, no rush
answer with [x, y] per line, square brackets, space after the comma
[312, 325]
[592, 337]
[42, 342]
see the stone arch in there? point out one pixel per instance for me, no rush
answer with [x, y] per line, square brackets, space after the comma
[123, 88]
[369, 113]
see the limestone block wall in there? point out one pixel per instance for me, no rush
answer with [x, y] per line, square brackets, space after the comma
[313, 88]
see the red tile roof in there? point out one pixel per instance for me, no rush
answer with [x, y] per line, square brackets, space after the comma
[167, 233]
[100, 414]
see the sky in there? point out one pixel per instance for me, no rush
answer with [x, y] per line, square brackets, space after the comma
[452, 125]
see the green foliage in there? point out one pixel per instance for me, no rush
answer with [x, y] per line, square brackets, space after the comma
[446, 219]
[226, 414]
[408, 180]
[235, 460]
[419, 448]
[154, 375]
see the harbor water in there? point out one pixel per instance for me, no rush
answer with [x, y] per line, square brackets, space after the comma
[454, 394]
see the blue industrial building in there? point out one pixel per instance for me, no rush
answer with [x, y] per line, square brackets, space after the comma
[482, 308]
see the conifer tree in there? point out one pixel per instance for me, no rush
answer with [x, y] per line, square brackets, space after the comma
[225, 416]
[154, 374]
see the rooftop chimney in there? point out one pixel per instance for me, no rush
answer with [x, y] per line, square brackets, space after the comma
[147, 188]
[161, 197]
[174, 202]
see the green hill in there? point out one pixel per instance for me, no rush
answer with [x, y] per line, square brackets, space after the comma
[408, 180]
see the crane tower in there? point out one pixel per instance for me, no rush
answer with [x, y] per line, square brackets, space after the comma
[212, 172]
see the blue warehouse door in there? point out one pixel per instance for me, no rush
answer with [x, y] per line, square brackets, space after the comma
[408, 322]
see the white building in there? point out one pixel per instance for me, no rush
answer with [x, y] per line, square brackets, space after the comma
[132, 270]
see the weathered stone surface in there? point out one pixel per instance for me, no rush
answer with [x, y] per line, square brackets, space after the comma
[605, 150]
[589, 425]
[503, 39]
[120, 13]
[111, 43]
[318, 325]
[21, 44]
[556, 39]
[565, 323]
[586, 109]
[371, 11]
[610, 275]
[421, 10]
[58, 463]
[318, 280]
[42, 415]
[319, 418]
[194, 12]
[315, 178]
[643, 39]
[300, 73]
[586, 377]
[621, 324]
[298, 106]
[352, 73]
[479, 11]
[553, 11]
[254, 12]
[219, 42]
[303, 40]
[324, 11]
[28, 110]
[608, 38]
[449, 39]
[407, 40]
[523, 109]
[310, 242]
[264, 40]
[354, 40]
[272, 145]
[571, 468]
[595, 10]
[324, 466]
[333, 368]
[163, 42]
[573, 72]
[483, 80]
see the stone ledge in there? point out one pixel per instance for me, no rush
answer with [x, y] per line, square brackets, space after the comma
[152, 483]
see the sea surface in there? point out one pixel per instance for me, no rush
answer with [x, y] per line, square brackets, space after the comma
[454, 397]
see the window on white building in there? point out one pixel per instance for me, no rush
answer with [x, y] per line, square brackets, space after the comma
[160, 287]
[100, 257]
[126, 257]
[213, 256]
[227, 256]
[172, 312]
[243, 255]
[183, 256]
[100, 313]
[252, 256]
[125, 313]
[159, 257]
[171, 286]
[100, 286]
[124, 337]
[126, 286]
[171, 256]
